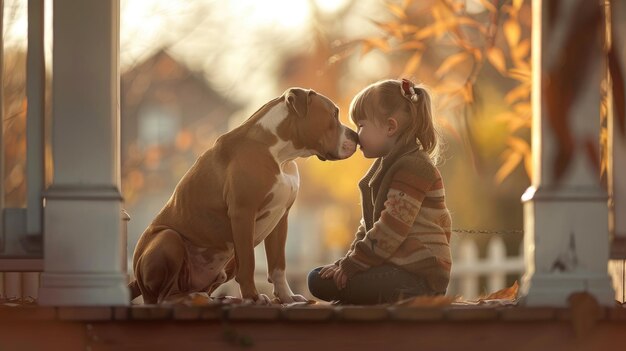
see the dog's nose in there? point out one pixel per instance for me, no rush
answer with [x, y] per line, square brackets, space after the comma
[352, 135]
[349, 146]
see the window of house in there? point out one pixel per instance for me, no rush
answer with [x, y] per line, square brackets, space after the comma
[158, 125]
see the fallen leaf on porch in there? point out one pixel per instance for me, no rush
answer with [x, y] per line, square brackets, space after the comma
[492, 302]
[276, 301]
[502, 297]
[192, 299]
[199, 299]
[509, 293]
[585, 312]
[427, 301]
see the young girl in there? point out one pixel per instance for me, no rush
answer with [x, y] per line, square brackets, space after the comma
[402, 247]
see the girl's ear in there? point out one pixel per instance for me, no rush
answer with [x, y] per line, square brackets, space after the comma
[392, 126]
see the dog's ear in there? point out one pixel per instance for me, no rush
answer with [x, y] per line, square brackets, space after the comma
[298, 100]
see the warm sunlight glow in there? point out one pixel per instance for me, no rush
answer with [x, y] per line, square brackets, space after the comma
[284, 13]
[330, 6]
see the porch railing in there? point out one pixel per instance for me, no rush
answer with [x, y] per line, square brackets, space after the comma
[21, 228]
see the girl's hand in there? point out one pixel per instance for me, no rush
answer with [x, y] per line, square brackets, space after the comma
[328, 271]
[341, 278]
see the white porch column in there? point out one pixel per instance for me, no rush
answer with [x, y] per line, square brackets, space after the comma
[566, 220]
[83, 241]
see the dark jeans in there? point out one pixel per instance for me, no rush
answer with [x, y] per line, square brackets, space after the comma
[381, 284]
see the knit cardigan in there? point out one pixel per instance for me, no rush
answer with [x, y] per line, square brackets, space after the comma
[405, 220]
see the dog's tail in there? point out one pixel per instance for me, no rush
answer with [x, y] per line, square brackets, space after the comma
[134, 289]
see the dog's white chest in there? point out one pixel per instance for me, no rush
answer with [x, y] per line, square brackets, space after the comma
[282, 195]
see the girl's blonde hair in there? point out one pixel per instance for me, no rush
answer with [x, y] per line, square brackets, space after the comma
[387, 98]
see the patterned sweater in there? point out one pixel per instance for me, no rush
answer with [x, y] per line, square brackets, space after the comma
[405, 220]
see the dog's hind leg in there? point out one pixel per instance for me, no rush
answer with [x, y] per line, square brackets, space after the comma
[159, 268]
[134, 289]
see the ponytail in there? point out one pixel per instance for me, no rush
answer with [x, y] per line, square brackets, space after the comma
[420, 126]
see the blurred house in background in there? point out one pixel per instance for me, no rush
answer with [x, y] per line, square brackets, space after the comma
[169, 115]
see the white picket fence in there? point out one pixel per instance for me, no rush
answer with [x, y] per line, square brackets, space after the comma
[468, 267]
[467, 270]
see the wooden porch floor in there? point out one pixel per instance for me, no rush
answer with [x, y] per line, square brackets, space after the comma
[311, 327]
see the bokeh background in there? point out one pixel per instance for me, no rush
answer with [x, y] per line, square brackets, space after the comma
[192, 70]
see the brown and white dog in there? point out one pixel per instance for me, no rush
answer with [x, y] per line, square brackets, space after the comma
[236, 195]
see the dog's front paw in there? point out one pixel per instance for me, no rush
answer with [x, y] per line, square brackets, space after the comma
[263, 299]
[292, 298]
[260, 299]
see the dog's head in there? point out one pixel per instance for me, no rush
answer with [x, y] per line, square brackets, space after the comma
[315, 126]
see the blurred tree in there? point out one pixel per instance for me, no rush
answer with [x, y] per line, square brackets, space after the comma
[14, 128]
[477, 32]
[459, 48]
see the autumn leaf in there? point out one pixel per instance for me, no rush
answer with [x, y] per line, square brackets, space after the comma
[409, 28]
[198, 299]
[509, 293]
[412, 45]
[393, 28]
[468, 93]
[477, 54]
[412, 64]
[506, 117]
[522, 75]
[467, 21]
[617, 79]
[450, 62]
[512, 160]
[523, 148]
[426, 32]
[519, 145]
[528, 164]
[512, 32]
[520, 92]
[522, 108]
[520, 51]
[496, 58]
[517, 4]
[374, 43]
[396, 10]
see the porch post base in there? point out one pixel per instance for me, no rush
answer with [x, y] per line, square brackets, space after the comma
[555, 289]
[84, 289]
[566, 246]
[84, 247]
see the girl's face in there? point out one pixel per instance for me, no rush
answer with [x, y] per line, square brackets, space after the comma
[375, 139]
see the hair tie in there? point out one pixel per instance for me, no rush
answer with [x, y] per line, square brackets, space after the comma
[408, 90]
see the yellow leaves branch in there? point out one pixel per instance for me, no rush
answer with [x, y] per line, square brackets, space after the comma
[518, 151]
[448, 22]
